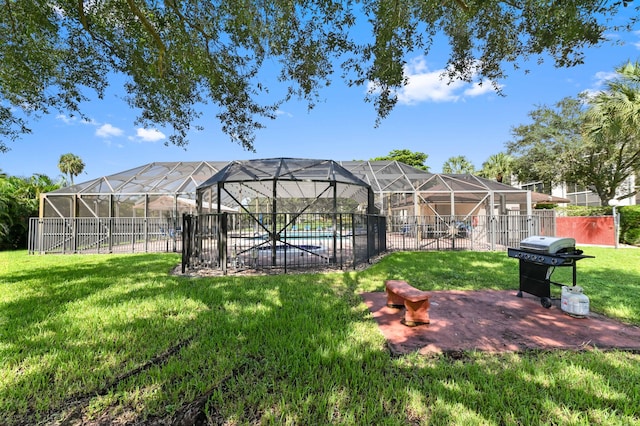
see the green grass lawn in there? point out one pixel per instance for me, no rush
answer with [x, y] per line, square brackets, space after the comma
[116, 338]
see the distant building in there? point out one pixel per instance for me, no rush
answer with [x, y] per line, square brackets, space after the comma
[582, 196]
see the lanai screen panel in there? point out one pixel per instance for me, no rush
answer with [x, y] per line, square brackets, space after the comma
[459, 188]
[394, 184]
[285, 185]
[160, 189]
[387, 177]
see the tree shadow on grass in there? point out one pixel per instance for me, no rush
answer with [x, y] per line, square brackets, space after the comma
[300, 349]
[533, 387]
[536, 387]
[46, 291]
[259, 327]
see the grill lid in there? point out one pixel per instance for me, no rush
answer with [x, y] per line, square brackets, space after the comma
[549, 245]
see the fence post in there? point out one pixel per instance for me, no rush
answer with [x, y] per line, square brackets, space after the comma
[531, 226]
[110, 235]
[222, 252]
[186, 243]
[353, 240]
[173, 233]
[284, 247]
[616, 220]
[66, 230]
[340, 227]
[383, 235]
[368, 228]
[492, 229]
[41, 235]
[75, 235]
[133, 235]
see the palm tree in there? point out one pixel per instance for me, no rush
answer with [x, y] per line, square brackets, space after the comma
[36, 185]
[612, 133]
[497, 166]
[458, 165]
[71, 164]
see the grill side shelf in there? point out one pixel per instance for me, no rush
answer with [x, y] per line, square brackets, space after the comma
[558, 259]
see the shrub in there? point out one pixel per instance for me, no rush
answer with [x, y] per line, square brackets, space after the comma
[630, 224]
[546, 206]
[585, 211]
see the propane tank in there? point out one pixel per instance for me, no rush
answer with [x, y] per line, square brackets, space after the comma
[574, 302]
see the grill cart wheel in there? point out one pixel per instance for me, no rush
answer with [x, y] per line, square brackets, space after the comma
[546, 302]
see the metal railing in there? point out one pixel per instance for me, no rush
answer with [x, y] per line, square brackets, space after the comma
[480, 232]
[103, 235]
[281, 241]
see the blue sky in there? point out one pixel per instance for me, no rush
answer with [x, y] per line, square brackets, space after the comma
[432, 117]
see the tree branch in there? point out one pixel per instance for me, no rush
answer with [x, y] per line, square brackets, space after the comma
[463, 5]
[82, 16]
[199, 28]
[10, 13]
[149, 27]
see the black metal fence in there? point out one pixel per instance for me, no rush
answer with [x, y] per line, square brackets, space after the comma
[281, 241]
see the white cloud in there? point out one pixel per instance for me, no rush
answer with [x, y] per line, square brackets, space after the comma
[424, 85]
[599, 80]
[611, 36]
[65, 119]
[149, 135]
[73, 120]
[591, 93]
[280, 112]
[107, 131]
[427, 86]
[478, 89]
[602, 77]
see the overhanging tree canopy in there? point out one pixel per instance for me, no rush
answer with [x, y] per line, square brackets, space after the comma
[176, 55]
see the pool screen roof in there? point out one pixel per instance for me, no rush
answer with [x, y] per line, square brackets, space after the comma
[181, 178]
[285, 179]
[159, 178]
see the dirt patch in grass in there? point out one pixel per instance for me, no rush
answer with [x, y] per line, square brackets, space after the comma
[72, 411]
[497, 321]
[202, 271]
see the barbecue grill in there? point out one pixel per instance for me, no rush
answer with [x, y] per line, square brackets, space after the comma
[539, 256]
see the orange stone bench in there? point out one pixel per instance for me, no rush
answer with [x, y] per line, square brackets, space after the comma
[416, 302]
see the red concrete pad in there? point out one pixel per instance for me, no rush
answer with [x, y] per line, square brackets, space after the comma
[496, 321]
